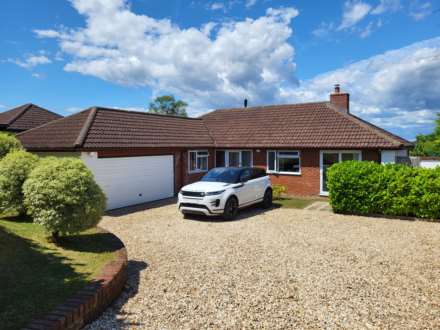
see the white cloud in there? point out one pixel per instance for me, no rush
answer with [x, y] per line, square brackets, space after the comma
[386, 6]
[47, 33]
[31, 61]
[217, 6]
[419, 10]
[324, 29]
[370, 28]
[396, 90]
[37, 75]
[354, 12]
[250, 58]
[250, 3]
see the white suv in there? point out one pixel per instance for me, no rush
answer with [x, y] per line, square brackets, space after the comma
[223, 190]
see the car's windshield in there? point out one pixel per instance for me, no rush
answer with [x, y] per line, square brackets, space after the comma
[227, 175]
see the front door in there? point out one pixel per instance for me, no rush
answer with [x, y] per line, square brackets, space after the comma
[328, 158]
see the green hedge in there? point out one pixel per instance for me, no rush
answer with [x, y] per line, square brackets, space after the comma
[371, 188]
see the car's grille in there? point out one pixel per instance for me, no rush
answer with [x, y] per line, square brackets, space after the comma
[192, 193]
[192, 205]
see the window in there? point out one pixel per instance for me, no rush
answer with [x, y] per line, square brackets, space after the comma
[198, 161]
[285, 162]
[233, 158]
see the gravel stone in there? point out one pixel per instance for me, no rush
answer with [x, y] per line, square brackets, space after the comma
[276, 269]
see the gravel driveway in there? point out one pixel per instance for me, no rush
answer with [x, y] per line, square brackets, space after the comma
[278, 269]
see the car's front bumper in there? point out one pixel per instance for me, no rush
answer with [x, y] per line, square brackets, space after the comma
[208, 205]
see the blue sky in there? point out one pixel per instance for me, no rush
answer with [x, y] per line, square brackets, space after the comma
[69, 55]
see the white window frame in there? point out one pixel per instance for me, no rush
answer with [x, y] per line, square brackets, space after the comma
[321, 165]
[227, 151]
[197, 170]
[276, 171]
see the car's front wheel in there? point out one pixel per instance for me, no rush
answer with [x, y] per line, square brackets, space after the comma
[231, 209]
[267, 200]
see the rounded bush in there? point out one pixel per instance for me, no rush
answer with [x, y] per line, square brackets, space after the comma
[61, 194]
[8, 143]
[14, 170]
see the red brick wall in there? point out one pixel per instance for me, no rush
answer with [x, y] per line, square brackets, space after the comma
[305, 184]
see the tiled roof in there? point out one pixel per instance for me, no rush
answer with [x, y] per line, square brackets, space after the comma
[26, 117]
[101, 128]
[307, 125]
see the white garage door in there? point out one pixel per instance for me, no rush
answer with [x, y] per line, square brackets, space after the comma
[133, 180]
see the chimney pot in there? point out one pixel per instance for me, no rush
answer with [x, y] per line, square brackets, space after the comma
[337, 88]
[245, 103]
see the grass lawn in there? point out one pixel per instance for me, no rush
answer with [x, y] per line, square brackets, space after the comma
[36, 275]
[294, 202]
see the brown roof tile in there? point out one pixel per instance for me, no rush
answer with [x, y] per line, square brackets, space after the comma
[100, 128]
[307, 125]
[26, 117]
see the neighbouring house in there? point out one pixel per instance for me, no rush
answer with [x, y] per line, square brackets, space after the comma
[138, 157]
[25, 117]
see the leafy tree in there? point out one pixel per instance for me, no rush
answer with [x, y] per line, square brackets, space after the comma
[8, 143]
[429, 144]
[61, 195]
[168, 105]
[14, 170]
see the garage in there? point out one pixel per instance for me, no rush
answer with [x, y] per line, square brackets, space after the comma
[132, 180]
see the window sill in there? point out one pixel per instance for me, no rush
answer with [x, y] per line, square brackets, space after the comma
[283, 173]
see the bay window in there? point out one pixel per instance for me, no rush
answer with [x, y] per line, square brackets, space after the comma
[284, 162]
[198, 161]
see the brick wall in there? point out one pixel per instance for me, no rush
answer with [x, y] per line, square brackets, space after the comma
[305, 184]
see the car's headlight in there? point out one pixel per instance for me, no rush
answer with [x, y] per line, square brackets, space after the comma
[213, 193]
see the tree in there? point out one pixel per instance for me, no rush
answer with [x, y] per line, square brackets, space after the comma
[14, 170]
[8, 143]
[429, 144]
[61, 195]
[168, 105]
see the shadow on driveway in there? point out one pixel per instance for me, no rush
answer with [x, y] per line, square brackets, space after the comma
[243, 214]
[140, 207]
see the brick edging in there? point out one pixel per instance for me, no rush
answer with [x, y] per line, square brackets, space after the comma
[88, 303]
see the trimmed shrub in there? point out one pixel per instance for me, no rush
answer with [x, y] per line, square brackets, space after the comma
[371, 188]
[14, 170]
[8, 143]
[61, 194]
[278, 190]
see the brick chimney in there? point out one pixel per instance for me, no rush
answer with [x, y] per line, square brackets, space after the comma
[340, 101]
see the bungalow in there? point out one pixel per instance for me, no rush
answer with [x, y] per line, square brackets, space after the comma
[138, 157]
[25, 117]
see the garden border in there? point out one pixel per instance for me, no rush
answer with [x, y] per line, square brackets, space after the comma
[91, 301]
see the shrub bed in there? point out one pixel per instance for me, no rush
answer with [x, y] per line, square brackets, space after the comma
[372, 188]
